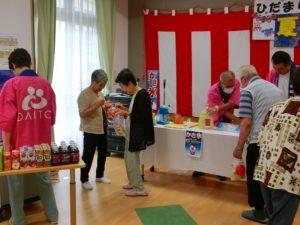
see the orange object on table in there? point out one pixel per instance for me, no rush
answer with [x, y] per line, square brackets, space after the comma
[178, 119]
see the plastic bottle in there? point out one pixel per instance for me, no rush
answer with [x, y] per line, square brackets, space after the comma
[206, 120]
[64, 153]
[74, 152]
[56, 156]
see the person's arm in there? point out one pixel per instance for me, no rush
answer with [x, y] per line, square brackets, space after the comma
[86, 108]
[227, 106]
[123, 112]
[233, 118]
[93, 108]
[245, 125]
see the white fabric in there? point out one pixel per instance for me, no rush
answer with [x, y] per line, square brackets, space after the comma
[167, 65]
[239, 49]
[169, 151]
[76, 56]
[283, 84]
[201, 73]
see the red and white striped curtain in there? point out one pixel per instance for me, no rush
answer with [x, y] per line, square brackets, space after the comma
[190, 52]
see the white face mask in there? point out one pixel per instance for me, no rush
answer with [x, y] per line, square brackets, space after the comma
[228, 90]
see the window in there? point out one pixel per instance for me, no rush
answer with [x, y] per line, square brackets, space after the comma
[76, 57]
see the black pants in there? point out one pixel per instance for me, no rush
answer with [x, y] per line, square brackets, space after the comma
[90, 143]
[255, 198]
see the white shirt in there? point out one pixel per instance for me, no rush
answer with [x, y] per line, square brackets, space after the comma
[283, 84]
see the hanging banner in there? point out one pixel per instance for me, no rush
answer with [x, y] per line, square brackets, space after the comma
[287, 30]
[152, 85]
[193, 143]
[265, 14]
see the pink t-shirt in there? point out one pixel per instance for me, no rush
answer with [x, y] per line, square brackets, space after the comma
[215, 99]
[27, 110]
[272, 76]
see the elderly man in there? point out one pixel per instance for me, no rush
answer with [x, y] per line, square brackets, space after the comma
[93, 123]
[282, 73]
[278, 168]
[256, 99]
[223, 98]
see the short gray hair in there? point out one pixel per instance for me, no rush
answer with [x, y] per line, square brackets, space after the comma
[226, 75]
[98, 76]
[247, 71]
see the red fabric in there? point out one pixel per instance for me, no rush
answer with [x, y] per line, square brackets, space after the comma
[184, 67]
[219, 24]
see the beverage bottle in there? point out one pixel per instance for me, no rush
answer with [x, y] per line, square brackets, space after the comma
[55, 155]
[64, 152]
[74, 152]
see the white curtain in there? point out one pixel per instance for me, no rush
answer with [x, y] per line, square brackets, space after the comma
[76, 57]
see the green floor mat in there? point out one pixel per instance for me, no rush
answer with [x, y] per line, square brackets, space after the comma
[165, 215]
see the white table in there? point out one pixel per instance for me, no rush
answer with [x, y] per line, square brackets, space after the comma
[169, 151]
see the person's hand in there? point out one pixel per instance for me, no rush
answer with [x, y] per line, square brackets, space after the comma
[121, 112]
[213, 110]
[108, 104]
[100, 102]
[238, 152]
[119, 105]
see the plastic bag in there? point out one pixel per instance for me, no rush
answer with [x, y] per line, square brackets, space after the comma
[238, 170]
[111, 112]
[119, 125]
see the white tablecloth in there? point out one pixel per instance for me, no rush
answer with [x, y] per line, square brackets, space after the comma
[169, 151]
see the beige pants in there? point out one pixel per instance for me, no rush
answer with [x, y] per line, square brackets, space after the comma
[132, 163]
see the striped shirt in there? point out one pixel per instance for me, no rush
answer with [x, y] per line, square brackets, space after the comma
[255, 101]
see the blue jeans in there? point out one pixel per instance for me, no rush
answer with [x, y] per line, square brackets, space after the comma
[16, 196]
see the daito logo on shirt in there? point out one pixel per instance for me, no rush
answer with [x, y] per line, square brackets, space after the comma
[34, 100]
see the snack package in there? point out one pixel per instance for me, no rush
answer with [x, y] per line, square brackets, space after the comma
[1, 158]
[47, 154]
[39, 156]
[31, 156]
[23, 157]
[15, 159]
[119, 125]
[6, 160]
[238, 170]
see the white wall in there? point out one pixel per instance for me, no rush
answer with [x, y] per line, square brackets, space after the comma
[121, 40]
[16, 20]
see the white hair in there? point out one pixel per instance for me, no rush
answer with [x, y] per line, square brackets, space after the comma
[247, 71]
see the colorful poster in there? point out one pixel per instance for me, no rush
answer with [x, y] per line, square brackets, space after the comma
[287, 30]
[265, 14]
[193, 143]
[7, 44]
[152, 84]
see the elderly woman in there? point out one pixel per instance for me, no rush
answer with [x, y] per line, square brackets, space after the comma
[139, 130]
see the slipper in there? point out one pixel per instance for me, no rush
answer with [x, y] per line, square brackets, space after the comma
[127, 186]
[255, 216]
[134, 193]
